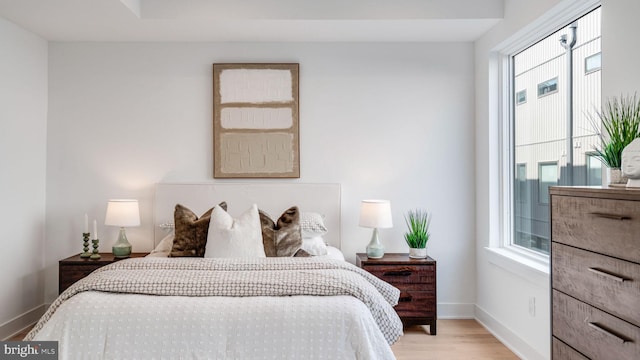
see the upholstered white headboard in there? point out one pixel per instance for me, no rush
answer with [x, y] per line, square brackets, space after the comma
[272, 198]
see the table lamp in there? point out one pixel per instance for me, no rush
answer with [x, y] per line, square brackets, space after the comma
[122, 213]
[375, 214]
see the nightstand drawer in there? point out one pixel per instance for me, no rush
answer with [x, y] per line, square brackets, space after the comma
[592, 332]
[75, 267]
[608, 283]
[69, 274]
[416, 280]
[416, 304]
[404, 275]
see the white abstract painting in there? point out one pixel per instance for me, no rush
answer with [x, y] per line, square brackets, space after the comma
[256, 130]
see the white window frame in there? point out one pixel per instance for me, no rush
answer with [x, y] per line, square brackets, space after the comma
[540, 186]
[586, 61]
[529, 264]
[552, 80]
[518, 102]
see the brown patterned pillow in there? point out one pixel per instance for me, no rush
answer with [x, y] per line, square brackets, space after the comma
[190, 232]
[283, 237]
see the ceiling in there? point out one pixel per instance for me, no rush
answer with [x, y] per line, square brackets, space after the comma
[254, 20]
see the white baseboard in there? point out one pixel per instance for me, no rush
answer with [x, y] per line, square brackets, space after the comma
[506, 336]
[456, 311]
[21, 322]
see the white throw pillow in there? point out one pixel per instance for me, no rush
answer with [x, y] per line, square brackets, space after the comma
[314, 246]
[165, 244]
[312, 224]
[232, 238]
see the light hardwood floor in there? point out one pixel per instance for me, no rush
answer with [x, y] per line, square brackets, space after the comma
[456, 340]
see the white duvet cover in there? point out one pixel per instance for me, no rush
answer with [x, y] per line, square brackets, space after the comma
[103, 325]
[95, 325]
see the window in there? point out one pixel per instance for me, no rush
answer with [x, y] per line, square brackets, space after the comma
[522, 189]
[548, 174]
[594, 170]
[592, 63]
[548, 87]
[538, 151]
[521, 97]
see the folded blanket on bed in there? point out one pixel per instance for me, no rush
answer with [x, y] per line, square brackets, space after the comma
[241, 278]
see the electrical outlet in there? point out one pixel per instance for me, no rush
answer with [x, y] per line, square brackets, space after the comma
[532, 306]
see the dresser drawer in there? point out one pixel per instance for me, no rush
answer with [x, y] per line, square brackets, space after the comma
[562, 351]
[607, 226]
[406, 277]
[592, 332]
[607, 283]
[416, 304]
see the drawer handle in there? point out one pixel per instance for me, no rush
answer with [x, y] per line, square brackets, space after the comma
[406, 298]
[611, 216]
[401, 272]
[607, 274]
[599, 328]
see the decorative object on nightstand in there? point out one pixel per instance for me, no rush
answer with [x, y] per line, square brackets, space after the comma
[95, 242]
[418, 222]
[631, 163]
[122, 213]
[76, 267]
[85, 238]
[416, 280]
[620, 123]
[375, 214]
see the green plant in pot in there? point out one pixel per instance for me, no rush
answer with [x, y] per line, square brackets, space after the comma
[417, 237]
[620, 121]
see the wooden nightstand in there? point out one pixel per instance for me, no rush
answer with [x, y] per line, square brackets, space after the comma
[75, 268]
[416, 279]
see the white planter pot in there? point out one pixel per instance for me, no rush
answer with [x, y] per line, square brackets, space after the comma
[615, 177]
[416, 253]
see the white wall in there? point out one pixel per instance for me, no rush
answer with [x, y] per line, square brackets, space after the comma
[503, 295]
[385, 120]
[23, 139]
[620, 50]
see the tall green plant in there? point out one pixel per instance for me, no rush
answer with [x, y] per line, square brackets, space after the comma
[620, 120]
[418, 222]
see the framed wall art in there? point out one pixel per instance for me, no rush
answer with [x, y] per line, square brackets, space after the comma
[255, 121]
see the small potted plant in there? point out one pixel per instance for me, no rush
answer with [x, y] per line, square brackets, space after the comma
[418, 222]
[620, 120]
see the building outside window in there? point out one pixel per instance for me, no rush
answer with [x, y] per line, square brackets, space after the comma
[549, 146]
[593, 63]
[594, 170]
[548, 87]
[521, 97]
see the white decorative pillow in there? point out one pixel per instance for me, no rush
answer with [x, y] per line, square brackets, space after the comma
[312, 224]
[165, 244]
[229, 237]
[314, 246]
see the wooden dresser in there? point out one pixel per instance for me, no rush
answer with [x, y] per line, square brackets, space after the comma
[416, 280]
[75, 268]
[595, 273]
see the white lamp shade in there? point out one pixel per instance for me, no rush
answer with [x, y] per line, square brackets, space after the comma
[123, 213]
[375, 214]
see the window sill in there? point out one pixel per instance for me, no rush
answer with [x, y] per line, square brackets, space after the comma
[527, 267]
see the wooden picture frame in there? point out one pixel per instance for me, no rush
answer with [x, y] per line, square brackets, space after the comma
[256, 128]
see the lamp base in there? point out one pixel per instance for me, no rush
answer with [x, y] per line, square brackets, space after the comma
[122, 248]
[375, 250]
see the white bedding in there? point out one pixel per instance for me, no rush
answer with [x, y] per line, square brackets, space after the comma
[97, 324]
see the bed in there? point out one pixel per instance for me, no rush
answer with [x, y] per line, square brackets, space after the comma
[279, 307]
